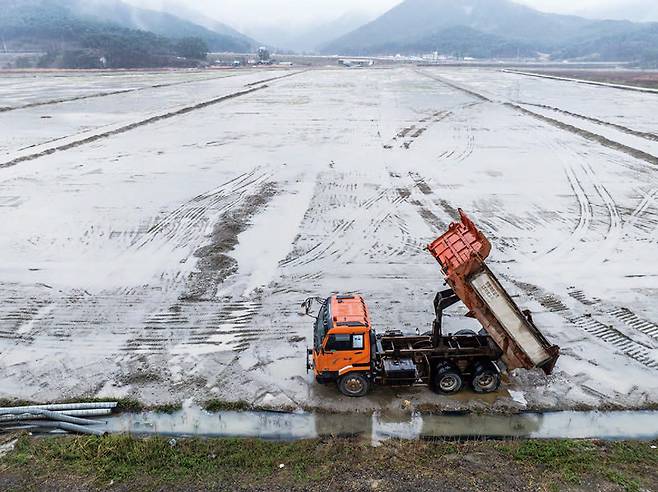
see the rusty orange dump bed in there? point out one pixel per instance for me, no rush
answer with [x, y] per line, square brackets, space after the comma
[461, 248]
[462, 252]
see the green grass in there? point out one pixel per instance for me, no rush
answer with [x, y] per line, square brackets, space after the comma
[124, 459]
[8, 402]
[571, 460]
[159, 463]
[167, 408]
[215, 405]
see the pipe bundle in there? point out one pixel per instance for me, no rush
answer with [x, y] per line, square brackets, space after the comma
[69, 417]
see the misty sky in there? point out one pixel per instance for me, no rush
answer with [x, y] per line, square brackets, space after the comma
[250, 14]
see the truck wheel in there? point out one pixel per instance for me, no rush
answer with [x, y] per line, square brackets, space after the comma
[354, 385]
[465, 333]
[447, 380]
[486, 379]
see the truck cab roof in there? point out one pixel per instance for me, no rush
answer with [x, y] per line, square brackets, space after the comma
[349, 312]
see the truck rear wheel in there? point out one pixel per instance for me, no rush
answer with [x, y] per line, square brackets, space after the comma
[447, 380]
[486, 378]
[354, 385]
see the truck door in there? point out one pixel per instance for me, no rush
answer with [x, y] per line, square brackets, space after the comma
[344, 352]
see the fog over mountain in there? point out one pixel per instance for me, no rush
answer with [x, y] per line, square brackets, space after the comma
[633, 10]
[461, 28]
[310, 38]
[46, 21]
[247, 15]
[496, 29]
[108, 34]
[301, 25]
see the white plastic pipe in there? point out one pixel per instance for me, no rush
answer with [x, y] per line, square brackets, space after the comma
[67, 406]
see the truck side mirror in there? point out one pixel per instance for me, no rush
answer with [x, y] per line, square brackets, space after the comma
[307, 305]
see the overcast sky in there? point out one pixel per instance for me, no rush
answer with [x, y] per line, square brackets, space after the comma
[247, 14]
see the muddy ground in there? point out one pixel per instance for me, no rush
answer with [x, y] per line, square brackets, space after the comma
[638, 78]
[160, 230]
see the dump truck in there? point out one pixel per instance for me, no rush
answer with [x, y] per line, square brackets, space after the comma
[348, 351]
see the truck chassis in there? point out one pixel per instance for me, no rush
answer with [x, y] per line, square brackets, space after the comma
[464, 352]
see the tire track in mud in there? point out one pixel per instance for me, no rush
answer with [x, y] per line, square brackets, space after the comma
[466, 145]
[591, 324]
[622, 128]
[454, 86]
[643, 218]
[109, 93]
[185, 327]
[470, 146]
[198, 321]
[188, 221]
[644, 205]
[623, 314]
[17, 313]
[201, 328]
[616, 338]
[382, 205]
[424, 206]
[594, 137]
[138, 124]
[68, 322]
[580, 175]
[130, 323]
[585, 215]
[332, 243]
[127, 128]
[410, 134]
[280, 77]
[615, 224]
[584, 81]
[634, 321]
[581, 297]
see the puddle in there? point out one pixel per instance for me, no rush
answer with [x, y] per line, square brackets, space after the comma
[377, 427]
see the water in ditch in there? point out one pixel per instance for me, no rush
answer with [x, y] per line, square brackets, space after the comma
[377, 427]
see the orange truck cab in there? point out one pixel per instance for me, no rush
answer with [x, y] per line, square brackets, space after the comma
[342, 342]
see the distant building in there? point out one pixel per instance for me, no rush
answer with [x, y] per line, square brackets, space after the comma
[356, 62]
[264, 56]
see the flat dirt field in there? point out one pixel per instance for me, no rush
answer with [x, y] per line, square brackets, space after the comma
[644, 78]
[160, 230]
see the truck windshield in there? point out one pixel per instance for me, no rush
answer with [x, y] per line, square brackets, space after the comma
[322, 325]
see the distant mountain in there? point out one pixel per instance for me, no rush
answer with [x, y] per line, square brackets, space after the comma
[70, 20]
[179, 9]
[475, 27]
[463, 42]
[639, 43]
[74, 35]
[219, 37]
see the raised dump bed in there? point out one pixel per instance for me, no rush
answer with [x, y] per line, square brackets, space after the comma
[462, 252]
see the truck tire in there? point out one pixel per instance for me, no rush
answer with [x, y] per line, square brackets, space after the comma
[486, 378]
[354, 385]
[447, 379]
[465, 333]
